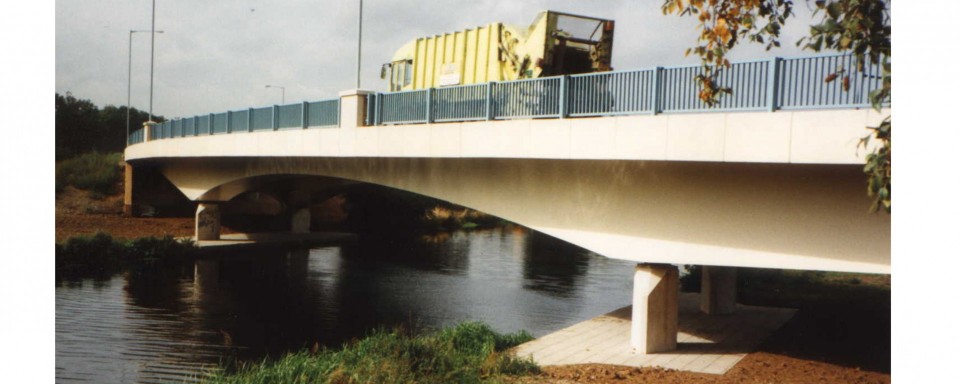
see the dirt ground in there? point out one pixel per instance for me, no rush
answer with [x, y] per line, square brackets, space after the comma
[843, 338]
[77, 214]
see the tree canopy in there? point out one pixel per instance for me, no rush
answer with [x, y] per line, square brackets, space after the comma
[82, 127]
[859, 27]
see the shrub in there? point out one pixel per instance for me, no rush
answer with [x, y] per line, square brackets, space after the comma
[95, 172]
[467, 353]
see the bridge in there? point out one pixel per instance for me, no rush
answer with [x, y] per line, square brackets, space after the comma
[628, 164]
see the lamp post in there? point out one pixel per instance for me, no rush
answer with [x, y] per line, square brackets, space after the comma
[283, 92]
[359, 40]
[153, 34]
[130, 72]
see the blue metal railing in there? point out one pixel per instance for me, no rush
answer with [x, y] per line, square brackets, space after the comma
[789, 84]
[323, 113]
[795, 83]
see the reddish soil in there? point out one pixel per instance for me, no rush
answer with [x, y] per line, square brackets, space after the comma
[78, 214]
[842, 337]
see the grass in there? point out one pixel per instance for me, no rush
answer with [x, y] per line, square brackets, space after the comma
[97, 173]
[102, 256]
[467, 353]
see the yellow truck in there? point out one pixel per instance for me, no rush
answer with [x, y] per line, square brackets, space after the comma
[555, 44]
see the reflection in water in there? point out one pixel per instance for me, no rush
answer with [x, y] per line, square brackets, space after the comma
[163, 325]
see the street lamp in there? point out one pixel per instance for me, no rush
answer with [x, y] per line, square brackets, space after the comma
[359, 40]
[153, 34]
[130, 71]
[283, 92]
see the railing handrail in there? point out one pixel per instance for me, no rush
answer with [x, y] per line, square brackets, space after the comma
[787, 83]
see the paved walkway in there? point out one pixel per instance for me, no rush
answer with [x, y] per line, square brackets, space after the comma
[706, 344]
[235, 240]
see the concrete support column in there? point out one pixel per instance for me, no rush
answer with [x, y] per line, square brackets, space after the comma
[300, 221]
[208, 221]
[718, 290]
[299, 203]
[127, 189]
[654, 325]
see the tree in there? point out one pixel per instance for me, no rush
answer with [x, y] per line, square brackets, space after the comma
[859, 27]
[82, 127]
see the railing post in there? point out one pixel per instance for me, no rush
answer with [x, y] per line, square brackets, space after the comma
[489, 111]
[655, 90]
[563, 96]
[303, 114]
[773, 86]
[377, 109]
[210, 124]
[429, 105]
[249, 119]
[229, 120]
[276, 117]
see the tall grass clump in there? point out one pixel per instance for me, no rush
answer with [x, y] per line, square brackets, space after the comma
[101, 256]
[467, 353]
[95, 172]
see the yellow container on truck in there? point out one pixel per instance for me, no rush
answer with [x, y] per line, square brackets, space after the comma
[555, 44]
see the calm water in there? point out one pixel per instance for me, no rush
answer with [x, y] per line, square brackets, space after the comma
[163, 327]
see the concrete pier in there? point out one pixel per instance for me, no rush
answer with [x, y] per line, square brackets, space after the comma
[718, 290]
[705, 343]
[654, 325]
[208, 222]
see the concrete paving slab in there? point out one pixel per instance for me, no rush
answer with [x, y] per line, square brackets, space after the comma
[705, 343]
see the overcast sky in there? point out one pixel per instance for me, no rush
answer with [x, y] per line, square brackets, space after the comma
[218, 55]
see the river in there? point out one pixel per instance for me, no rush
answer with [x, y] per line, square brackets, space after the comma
[169, 326]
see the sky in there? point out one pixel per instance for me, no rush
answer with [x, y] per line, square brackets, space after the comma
[218, 55]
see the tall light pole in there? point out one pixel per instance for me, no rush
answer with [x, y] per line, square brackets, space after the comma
[153, 34]
[130, 72]
[283, 92]
[359, 41]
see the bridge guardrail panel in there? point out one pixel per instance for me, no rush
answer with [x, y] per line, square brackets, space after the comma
[262, 119]
[289, 116]
[460, 103]
[802, 82]
[323, 113]
[610, 93]
[218, 122]
[404, 107]
[528, 98]
[238, 121]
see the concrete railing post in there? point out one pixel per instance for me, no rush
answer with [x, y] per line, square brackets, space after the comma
[148, 127]
[353, 108]
[655, 320]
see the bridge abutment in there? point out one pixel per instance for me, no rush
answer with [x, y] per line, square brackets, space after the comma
[718, 290]
[127, 189]
[207, 221]
[655, 319]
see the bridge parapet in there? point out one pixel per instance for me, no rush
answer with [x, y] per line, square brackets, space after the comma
[767, 85]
